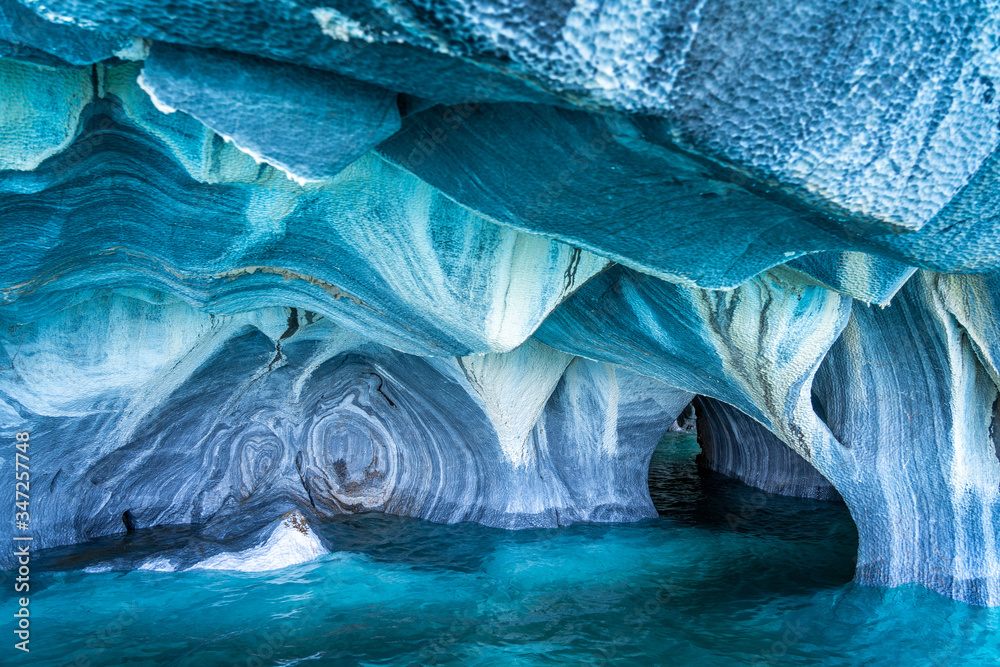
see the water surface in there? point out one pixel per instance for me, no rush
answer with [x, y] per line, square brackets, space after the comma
[725, 576]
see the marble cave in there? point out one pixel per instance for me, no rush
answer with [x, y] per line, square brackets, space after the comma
[488, 332]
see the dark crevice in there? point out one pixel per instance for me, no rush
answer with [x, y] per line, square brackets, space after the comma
[994, 430]
[277, 356]
[574, 264]
[129, 521]
[379, 388]
[818, 407]
[302, 479]
[293, 324]
[95, 81]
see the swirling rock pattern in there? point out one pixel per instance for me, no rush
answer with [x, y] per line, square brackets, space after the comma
[397, 260]
[466, 261]
[146, 405]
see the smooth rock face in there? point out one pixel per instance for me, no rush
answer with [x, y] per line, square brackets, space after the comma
[600, 183]
[189, 418]
[623, 188]
[375, 249]
[308, 123]
[737, 446]
[26, 35]
[468, 261]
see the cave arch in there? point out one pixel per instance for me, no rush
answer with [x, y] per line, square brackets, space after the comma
[737, 446]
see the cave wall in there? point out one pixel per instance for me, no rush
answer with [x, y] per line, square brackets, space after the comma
[141, 403]
[736, 446]
[912, 403]
[468, 261]
[894, 405]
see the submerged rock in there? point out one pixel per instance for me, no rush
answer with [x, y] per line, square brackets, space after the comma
[291, 542]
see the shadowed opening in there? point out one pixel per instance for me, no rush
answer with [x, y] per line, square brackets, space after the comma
[796, 542]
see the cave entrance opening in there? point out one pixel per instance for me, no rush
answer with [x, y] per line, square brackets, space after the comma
[778, 529]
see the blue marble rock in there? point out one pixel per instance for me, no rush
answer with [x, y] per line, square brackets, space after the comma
[375, 45]
[44, 39]
[625, 188]
[868, 278]
[756, 347]
[737, 446]
[39, 111]
[885, 125]
[909, 389]
[303, 121]
[374, 248]
[468, 261]
[894, 406]
[598, 183]
[137, 402]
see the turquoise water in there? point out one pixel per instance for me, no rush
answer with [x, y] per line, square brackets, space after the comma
[725, 576]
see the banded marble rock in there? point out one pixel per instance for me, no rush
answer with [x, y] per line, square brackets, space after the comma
[147, 405]
[467, 261]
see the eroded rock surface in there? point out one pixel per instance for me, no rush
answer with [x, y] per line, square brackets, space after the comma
[152, 407]
[467, 261]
